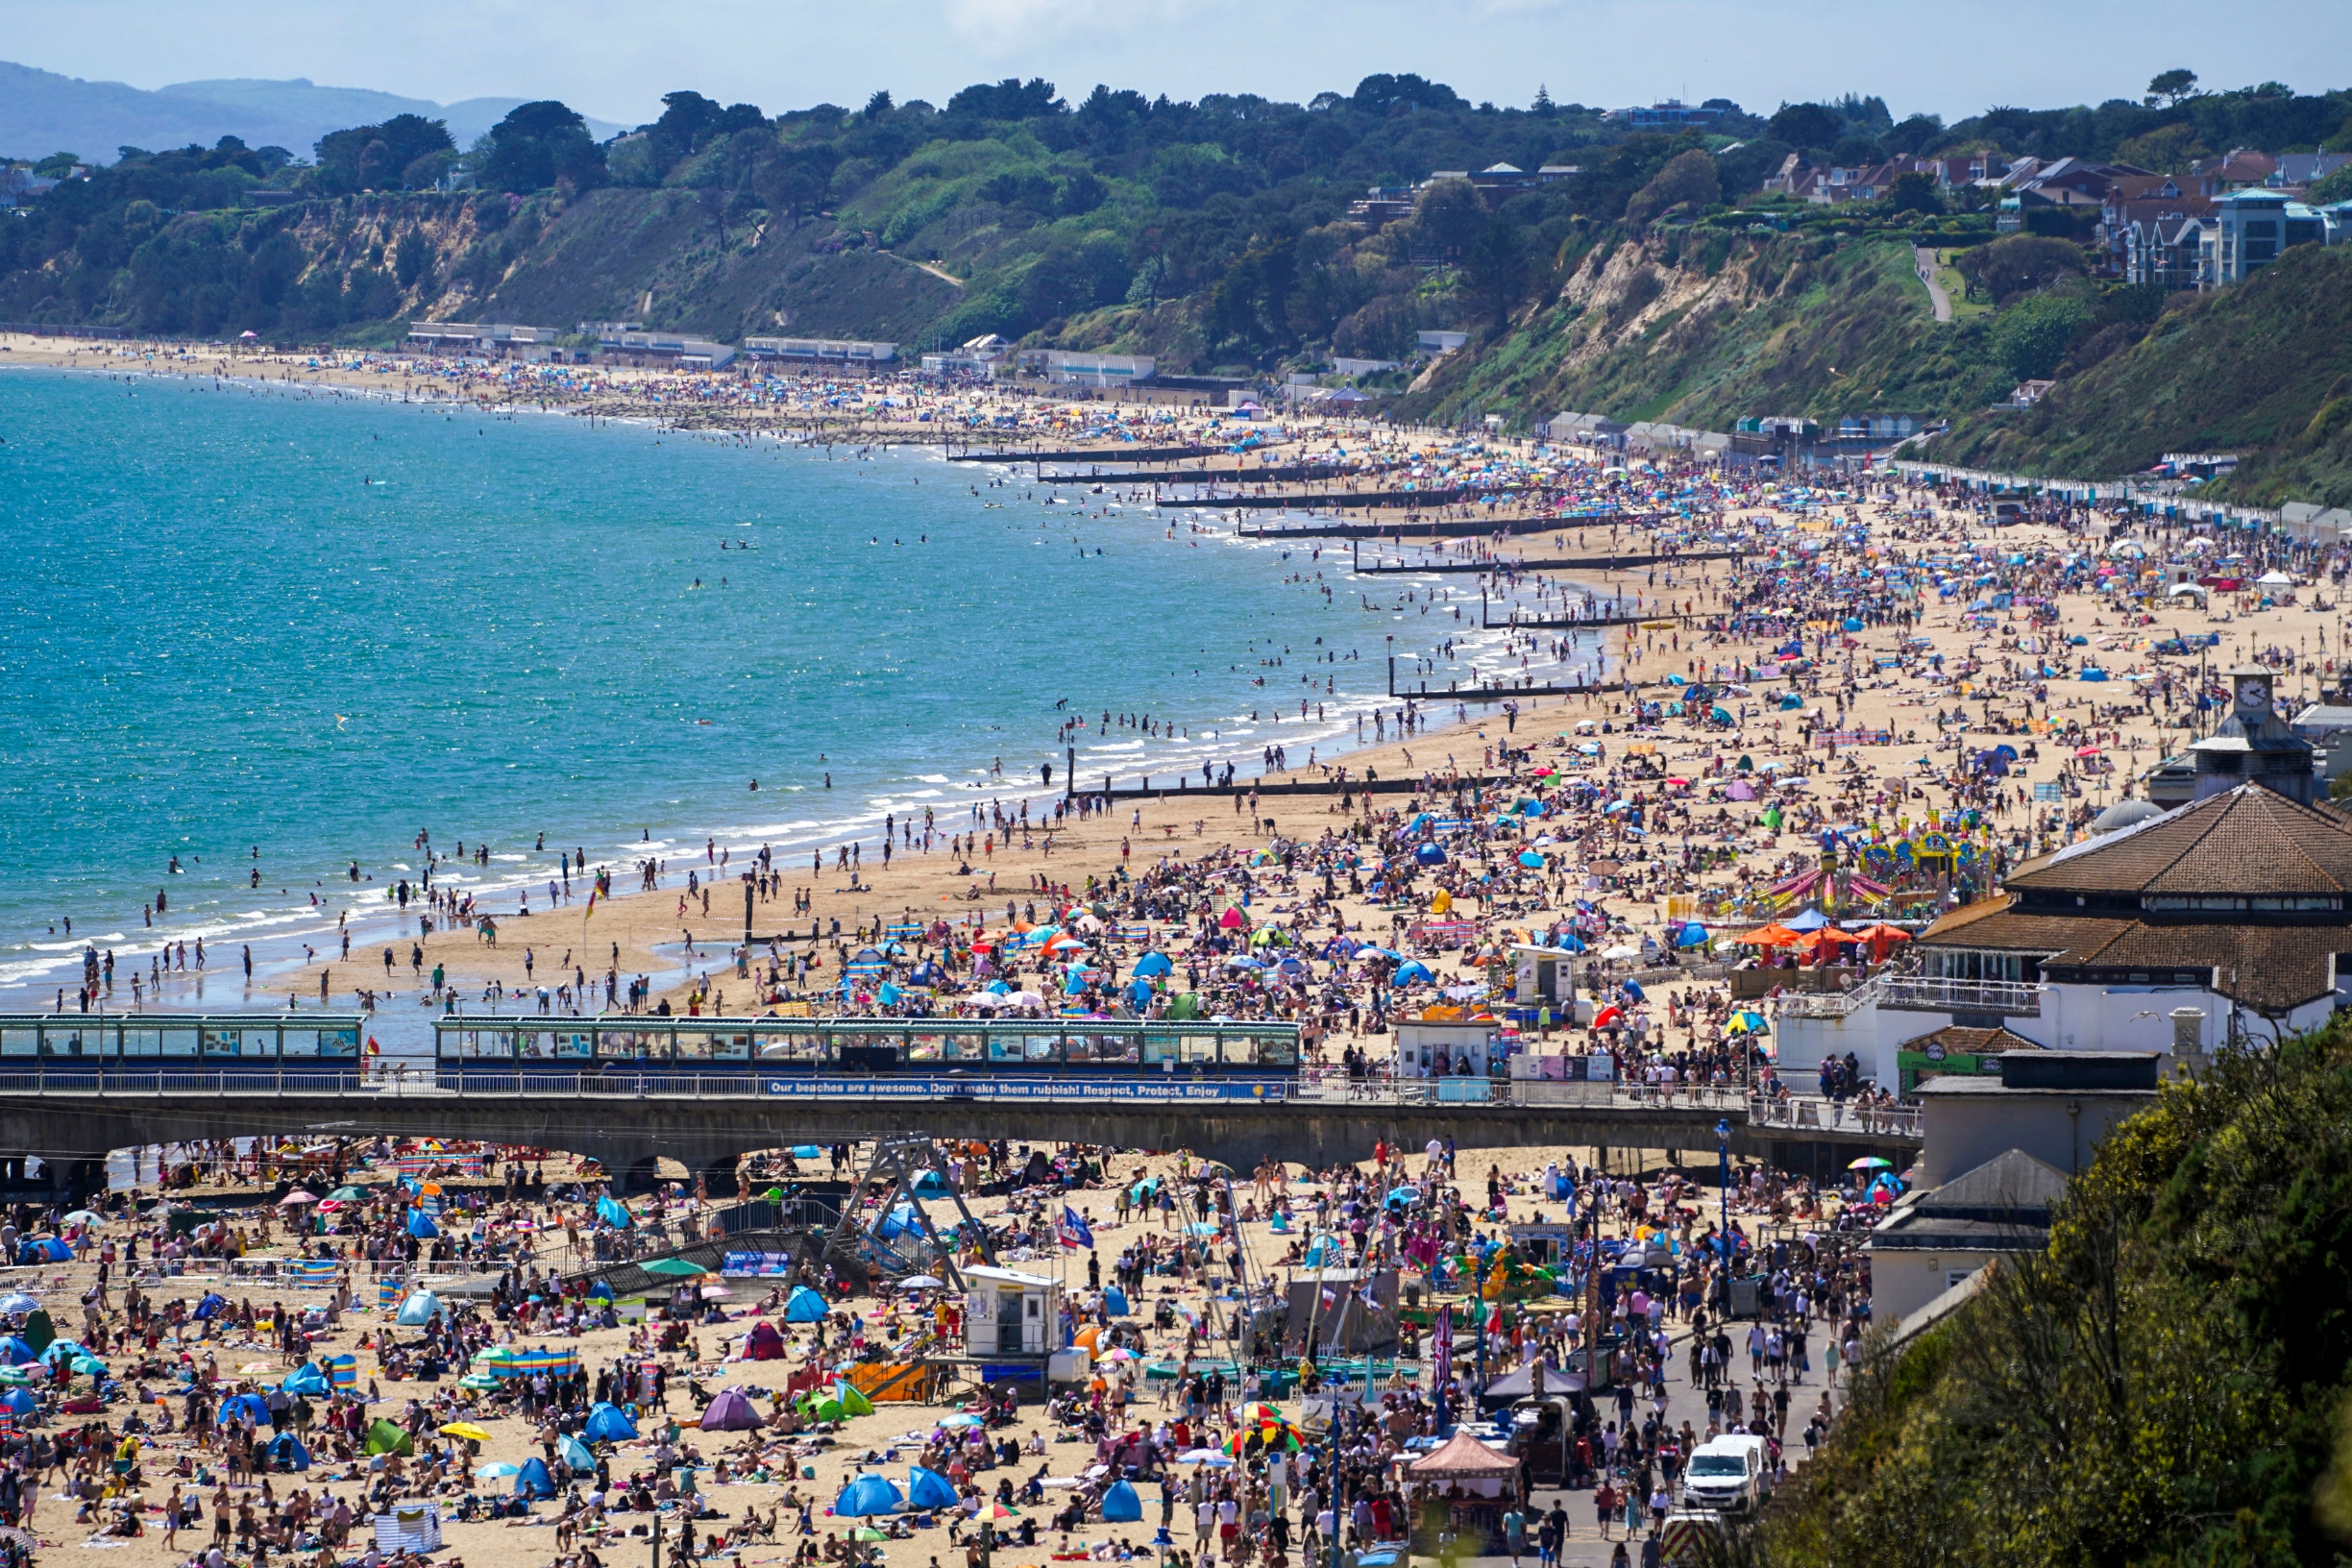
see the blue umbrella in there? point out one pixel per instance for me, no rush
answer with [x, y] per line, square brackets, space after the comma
[868, 1494]
[1532, 861]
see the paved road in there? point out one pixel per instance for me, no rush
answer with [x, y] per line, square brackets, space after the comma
[1926, 256]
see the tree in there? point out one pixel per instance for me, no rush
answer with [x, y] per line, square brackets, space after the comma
[1807, 124]
[410, 258]
[539, 143]
[2170, 87]
[1913, 192]
[2032, 335]
[1688, 180]
[1496, 271]
[1448, 216]
[879, 104]
[2017, 264]
[379, 156]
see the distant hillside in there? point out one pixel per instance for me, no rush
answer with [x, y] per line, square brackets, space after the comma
[1700, 327]
[2263, 369]
[42, 113]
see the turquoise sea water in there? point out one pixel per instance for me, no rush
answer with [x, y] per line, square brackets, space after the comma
[240, 619]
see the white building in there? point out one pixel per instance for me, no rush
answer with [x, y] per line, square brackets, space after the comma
[2175, 932]
[1010, 1314]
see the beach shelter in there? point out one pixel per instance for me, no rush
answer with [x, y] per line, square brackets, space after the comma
[14, 1352]
[38, 1330]
[383, 1437]
[344, 1370]
[247, 1409]
[575, 1455]
[930, 1184]
[928, 1488]
[852, 1401]
[305, 1378]
[533, 1480]
[1811, 920]
[1151, 965]
[730, 1411]
[765, 1344]
[1121, 1505]
[421, 1225]
[614, 1213]
[18, 1401]
[419, 1309]
[606, 1424]
[1114, 1302]
[868, 1495]
[804, 1306]
[286, 1453]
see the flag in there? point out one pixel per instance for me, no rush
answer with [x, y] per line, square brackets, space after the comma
[1441, 1350]
[1331, 1298]
[592, 899]
[1369, 1295]
[1075, 1231]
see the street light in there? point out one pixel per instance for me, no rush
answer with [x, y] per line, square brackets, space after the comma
[1722, 1155]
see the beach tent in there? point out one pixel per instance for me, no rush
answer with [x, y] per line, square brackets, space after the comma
[383, 1437]
[575, 1455]
[421, 1225]
[43, 1249]
[305, 1378]
[730, 1411]
[533, 1480]
[930, 1184]
[1114, 1302]
[1121, 1505]
[606, 1424]
[1152, 964]
[286, 1453]
[868, 1494]
[20, 1400]
[804, 1306]
[928, 1488]
[246, 1410]
[419, 1309]
[765, 1344]
[614, 1213]
[14, 1352]
[210, 1306]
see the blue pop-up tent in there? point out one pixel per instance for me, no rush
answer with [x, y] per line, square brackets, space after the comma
[533, 1480]
[419, 1309]
[247, 1409]
[421, 1225]
[1115, 1301]
[868, 1494]
[1121, 1505]
[305, 1378]
[575, 1455]
[606, 1424]
[929, 1489]
[286, 1453]
[805, 1306]
[614, 1213]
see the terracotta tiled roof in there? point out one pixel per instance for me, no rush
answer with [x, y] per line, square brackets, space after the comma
[1963, 1040]
[2246, 841]
[2004, 928]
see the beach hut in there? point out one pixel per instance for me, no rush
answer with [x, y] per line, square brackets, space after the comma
[804, 1306]
[419, 1309]
[730, 1411]
[606, 1424]
[868, 1495]
[533, 1480]
[929, 1489]
[383, 1437]
[1121, 1505]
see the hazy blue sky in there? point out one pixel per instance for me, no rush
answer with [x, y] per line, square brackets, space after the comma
[615, 60]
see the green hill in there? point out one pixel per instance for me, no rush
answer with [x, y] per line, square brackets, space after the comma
[1705, 326]
[2167, 1384]
[2263, 369]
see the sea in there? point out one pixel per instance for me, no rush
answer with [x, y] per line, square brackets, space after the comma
[259, 628]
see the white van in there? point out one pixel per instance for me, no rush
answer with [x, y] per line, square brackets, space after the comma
[1728, 1473]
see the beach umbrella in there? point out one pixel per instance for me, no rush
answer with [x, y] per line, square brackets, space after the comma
[674, 1268]
[1870, 1161]
[465, 1430]
[868, 1495]
[1532, 861]
[496, 1470]
[297, 1199]
[17, 1302]
[12, 1377]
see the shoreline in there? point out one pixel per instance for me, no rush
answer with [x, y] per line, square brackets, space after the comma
[290, 928]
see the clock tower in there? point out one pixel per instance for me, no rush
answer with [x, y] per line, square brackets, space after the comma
[2253, 745]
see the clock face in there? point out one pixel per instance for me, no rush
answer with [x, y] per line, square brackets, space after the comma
[2253, 693]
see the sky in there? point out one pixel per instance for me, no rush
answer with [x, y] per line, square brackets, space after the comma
[614, 58]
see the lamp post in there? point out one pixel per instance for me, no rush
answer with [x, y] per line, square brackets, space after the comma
[1722, 1155]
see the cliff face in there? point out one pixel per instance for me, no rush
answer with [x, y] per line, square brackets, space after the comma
[1702, 328]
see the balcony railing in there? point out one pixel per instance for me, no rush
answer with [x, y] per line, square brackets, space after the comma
[1932, 993]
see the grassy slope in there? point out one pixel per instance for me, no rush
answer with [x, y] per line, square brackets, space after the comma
[2264, 369]
[1787, 325]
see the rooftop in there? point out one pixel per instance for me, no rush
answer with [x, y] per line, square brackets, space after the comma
[2247, 839]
